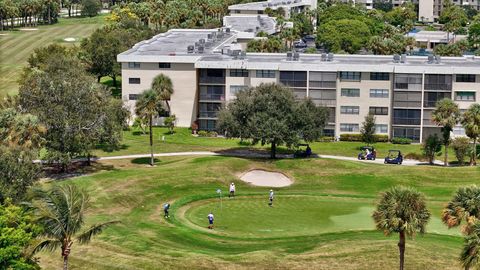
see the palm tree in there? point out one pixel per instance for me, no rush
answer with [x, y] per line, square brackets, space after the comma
[464, 206]
[470, 255]
[162, 85]
[146, 108]
[446, 115]
[61, 212]
[401, 210]
[471, 123]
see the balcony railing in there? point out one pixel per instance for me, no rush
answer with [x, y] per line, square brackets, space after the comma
[208, 114]
[213, 80]
[407, 104]
[438, 86]
[320, 84]
[325, 102]
[406, 121]
[219, 97]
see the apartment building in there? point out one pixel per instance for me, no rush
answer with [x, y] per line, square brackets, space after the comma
[207, 68]
[289, 6]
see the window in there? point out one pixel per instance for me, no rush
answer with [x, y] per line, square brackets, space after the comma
[349, 109]
[378, 110]
[350, 76]
[411, 133]
[164, 65]
[329, 132]
[209, 110]
[379, 93]
[407, 99]
[133, 96]
[134, 80]
[431, 98]
[204, 124]
[265, 73]
[323, 79]
[438, 82]
[294, 78]
[349, 128]
[212, 92]
[381, 128]
[235, 88]
[238, 73]
[133, 65]
[406, 117]
[350, 92]
[216, 76]
[465, 96]
[468, 78]
[408, 81]
[379, 76]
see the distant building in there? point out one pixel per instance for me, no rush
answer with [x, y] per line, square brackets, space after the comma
[430, 39]
[289, 6]
[248, 26]
[207, 68]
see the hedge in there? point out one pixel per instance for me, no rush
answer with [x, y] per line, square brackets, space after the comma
[401, 141]
[357, 137]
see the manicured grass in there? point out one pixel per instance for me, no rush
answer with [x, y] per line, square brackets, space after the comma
[322, 221]
[16, 46]
[134, 142]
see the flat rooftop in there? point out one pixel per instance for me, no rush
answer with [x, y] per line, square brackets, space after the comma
[176, 41]
[273, 4]
[251, 24]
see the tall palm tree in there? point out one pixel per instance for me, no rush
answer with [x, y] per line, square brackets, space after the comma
[471, 123]
[61, 212]
[446, 115]
[146, 108]
[470, 255]
[162, 85]
[464, 206]
[401, 210]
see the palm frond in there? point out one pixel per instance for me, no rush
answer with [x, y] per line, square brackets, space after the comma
[96, 229]
[49, 244]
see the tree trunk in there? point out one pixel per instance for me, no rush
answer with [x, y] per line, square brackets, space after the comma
[273, 150]
[65, 263]
[114, 78]
[151, 140]
[69, 11]
[445, 161]
[89, 160]
[401, 248]
[474, 157]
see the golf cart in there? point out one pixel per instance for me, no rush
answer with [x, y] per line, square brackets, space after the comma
[394, 157]
[303, 153]
[367, 153]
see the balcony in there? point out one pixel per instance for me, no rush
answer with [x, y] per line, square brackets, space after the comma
[438, 86]
[407, 104]
[212, 80]
[212, 97]
[324, 85]
[325, 102]
[406, 121]
[208, 114]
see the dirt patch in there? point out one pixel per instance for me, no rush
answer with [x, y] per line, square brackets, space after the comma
[266, 179]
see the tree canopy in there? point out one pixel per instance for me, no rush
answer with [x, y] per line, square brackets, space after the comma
[269, 114]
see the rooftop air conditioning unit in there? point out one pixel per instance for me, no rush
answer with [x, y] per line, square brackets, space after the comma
[330, 57]
[438, 59]
[289, 56]
[201, 49]
[242, 55]
[201, 41]
[396, 58]
[190, 48]
[430, 60]
[227, 30]
[209, 36]
[296, 56]
[403, 58]
[323, 57]
[235, 54]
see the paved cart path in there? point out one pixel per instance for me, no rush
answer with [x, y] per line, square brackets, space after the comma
[407, 162]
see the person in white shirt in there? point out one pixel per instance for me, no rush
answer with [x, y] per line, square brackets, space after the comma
[232, 190]
[270, 197]
[210, 220]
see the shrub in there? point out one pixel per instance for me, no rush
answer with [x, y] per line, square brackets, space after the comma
[91, 7]
[351, 137]
[203, 133]
[170, 123]
[432, 147]
[327, 139]
[401, 140]
[461, 146]
[415, 156]
[381, 138]
[212, 134]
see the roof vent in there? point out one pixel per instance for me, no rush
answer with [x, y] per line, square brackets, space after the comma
[190, 48]
[201, 49]
[323, 57]
[403, 58]
[197, 44]
[289, 56]
[227, 30]
[296, 56]
[438, 59]
[201, 41]
[396, 58]
[430, 60]
[209, 36]
[330, 57]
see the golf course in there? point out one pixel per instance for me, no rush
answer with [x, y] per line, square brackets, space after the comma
[322, 221]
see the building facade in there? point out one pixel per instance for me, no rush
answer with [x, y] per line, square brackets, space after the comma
[400, 91]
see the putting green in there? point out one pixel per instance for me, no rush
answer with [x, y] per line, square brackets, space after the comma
[291, 215]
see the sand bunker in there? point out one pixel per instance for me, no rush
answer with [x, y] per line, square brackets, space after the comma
[28, 29]
[69, 39]
[266, 179]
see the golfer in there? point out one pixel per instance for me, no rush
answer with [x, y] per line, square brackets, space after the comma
[210, 220]
[270, 197]
[232, 190]
[166, 207]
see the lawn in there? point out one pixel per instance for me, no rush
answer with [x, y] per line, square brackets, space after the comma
[322, 221]
[134, 142]
[16, 46]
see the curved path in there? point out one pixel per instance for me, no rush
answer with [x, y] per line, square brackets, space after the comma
[407, 162]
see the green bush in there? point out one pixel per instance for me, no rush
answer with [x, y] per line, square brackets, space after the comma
[327, 139]
[432, 147]
[415, 156]
[401, 141]
[381, 138]
[203, 133]
[461, 146]
[91, 7]
[212, 134]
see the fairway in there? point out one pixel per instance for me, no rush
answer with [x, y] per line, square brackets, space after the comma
[322, 221]
[16, 46]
